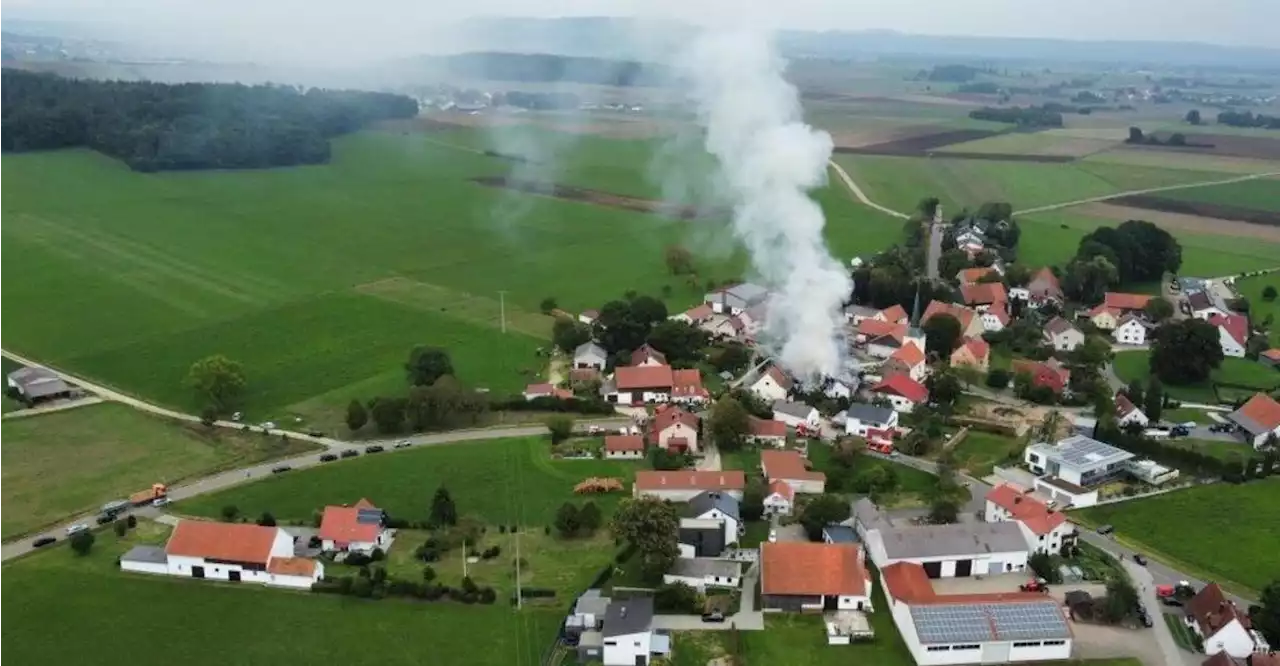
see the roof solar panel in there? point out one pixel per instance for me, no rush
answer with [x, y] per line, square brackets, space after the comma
[978, 623]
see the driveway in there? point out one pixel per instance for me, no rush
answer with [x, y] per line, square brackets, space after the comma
[748, 617]
[710, 460]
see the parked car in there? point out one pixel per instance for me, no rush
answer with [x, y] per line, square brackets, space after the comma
[713, 616]
[268, 425]
[1145, 619]
[403, 444]
[1179, 431]
[160, 501]
[328, 457]
[1106, 529]
[77, 528]
[43, 541]
[280, 469]
[315, 433]
[1140, 559]
[105, 518]
[374, 449]
[350, 453]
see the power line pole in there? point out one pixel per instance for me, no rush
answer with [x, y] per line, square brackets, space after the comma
[502, 308]
[464, 559]
[519, 597]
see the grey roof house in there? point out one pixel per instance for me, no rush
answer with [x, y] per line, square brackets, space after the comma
[737, 298]
[957, 540]
[590, 355]
[709, 500]
[37, 384]
[793, 412]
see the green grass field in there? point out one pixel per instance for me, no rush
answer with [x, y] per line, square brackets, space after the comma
[54, 594]
[510, 481]
[1131, 365]
[1259, 307]
[1188, 526]
[980, 451]
[61, 464]
[1261, 194]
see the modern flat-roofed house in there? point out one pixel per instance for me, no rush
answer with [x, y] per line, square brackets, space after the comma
[798, 576]
[232, 552]
[1259, 418]
[684, 485]
[1065, 493]
[359, 528]
[1077, 459]
[1222, 625]
[37, 384]
[627, 634]
[990, 628]
[736, 298]
[1045, 528]
[590, 355]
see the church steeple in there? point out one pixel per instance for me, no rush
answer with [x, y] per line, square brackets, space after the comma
[915, 309]
[914, 332]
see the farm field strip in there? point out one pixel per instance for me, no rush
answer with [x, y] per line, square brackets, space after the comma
[466, 307]
[1262, 194]
[1191, 162]
[1174, 222]
[1032, 143]
[1259, 307]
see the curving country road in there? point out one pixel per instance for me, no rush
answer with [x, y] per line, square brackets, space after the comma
[862, 196]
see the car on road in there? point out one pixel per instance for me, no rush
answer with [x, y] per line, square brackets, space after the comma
[1179, 431]
[1106, 529]
[105, 518]
[328, 457]
[1140, 559]
[713, 616]
[314, 433]
[403, 444]
[77, 528]
[268, 425]
[773, 536]
[350, 453]
[160, 501]
[43, 541]
[374, 449]
[1145, 619]
[279, 469]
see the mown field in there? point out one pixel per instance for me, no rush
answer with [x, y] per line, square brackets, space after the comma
[506, 481]
[61, 464]
[1262, 194]
[1131, 365]
[1187, 527]
[53, 595]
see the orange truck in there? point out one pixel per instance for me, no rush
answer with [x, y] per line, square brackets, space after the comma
[155, 492]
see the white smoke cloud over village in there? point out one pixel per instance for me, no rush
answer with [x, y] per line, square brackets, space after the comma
[769, 160]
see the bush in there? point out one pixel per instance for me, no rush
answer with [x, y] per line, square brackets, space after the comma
[428, 573]
[675, 598]
[120, 527]
[357, 559]
[377, 555]
[230, 511]
[82, 542]
[132, 521]
[1269, 293]
[998, 378]
[266, 519]
[491, 552]
[362, 587]
[397, 523]
[487, 595]
[537, 593]
[469, 585]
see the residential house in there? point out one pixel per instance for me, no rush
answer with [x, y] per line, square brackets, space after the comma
[695, 315]
[1079, 460]
[771, 385]
[957, 550]
[752, 319]
[234, 552]
[1127, 413]
[970, 323]
[881, 338]
[1044, 287]
[684, 485]
[843, 386]
[855, 314]
[1270, 357]
[792, 468]
[1125, 303]
[864, 420]
[974, 352]
[1207, 303]
[1051, 373]
[894, 314]
[796, 414]
[996, 317]
[909, 360]
[646, 356]
[674, 429]
[721, 326]
[624, 447]
[983, 295]
[535, 391]
[766, 432]
[627, 634]
[780, 499]
[590, 355]
[1066, 494]
[1259, 418]
[973, 275]
[715, 506]
[1233, 333]
[586, 616]
[354, 529]
[702, 573]
[1222, 625]
[686, 387]
[971, 241]
[1105, 318]
[589, 317]
[1062, 335]
[1021, 294]
[797, 576]
[902, 392]
[736, 298]
[1130, 330]
[638, 385]
[1045, 528]
[986, 628]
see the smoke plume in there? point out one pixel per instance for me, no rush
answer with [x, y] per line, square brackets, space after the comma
[768, 161]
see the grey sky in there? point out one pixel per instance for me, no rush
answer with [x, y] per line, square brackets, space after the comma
[360, 29]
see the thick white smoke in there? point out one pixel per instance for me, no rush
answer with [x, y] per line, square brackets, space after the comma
[769, 160]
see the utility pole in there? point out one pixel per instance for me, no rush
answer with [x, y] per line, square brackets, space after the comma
[464, 559]
[519, 597]
[502, 308]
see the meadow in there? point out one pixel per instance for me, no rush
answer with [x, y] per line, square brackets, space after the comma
[1131, 365]
[1262, 194]
[1259, 307]
[54, 594]
[980, 451]
[1186, 528]
[66, 463]
[506, 481]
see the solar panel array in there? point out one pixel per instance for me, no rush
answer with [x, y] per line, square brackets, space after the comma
[979, 623]
[369, 516]
[1081, 451]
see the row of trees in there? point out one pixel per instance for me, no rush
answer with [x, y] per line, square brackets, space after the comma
[1248, 119]
[158, 126]
[1030, 116]
[1134, 251]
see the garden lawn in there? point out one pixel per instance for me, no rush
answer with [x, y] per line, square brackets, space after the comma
[1131, 365]
[54, 594]
[508, 481]
[1187, 528]
[1252, 288]
[980, 451]
[65, 463]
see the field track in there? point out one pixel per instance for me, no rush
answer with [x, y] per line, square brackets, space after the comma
[1150, 190]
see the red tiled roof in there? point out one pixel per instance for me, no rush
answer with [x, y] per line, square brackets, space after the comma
[1033, 513]
[904, 386]
[987, 292]
[809, 569]
[687, 383]
[699, 313]
[1123, 301]
[894, 313]
[678, 443]
[643, 377]
[1046, 276]
[784, 489]
[1273, 354]
[958, 312]
[767, 427]
[644, 353]
[972, 275]
[1212, 611]
[1123, 405]
[590, 314]
[1263, 410]
[1237, 326]
[787, 465]
[342, 524]
[779, 377]
[907, 582]
[234, 542]
[583, 374]
[997, 310]
[1055, 376]
[909, 354]
[619, 443]
[292, 566]
[690, 480]
[668, 416]
[539, 389]
[874, 328]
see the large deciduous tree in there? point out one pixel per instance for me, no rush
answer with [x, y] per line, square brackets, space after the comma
[650, 525]
[357, 416]
[427, 364]
[1185, 352]
[1142, 251]
[1087, 279]
[568, 334]
[681, 342]
[823, 510]
[941, 335]
[1266, 615]
[729, 424]
[219, 380]
[678, 259]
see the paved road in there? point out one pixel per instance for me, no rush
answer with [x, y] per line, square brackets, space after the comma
[1143, 580]
[934, 255]
[862, 196]
[1149, 190]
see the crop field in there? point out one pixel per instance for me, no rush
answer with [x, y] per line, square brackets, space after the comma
[54, 594]
[1132, 365]
[1262, 194]
[62, 464]
[1187, 526]
[509, 481]
[1051, 143]
[1173, 222]
[1137, 157]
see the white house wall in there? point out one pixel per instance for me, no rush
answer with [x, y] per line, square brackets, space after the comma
[1232, 639]
[145, 567]
[623, 650]
[992, 652]
[983, 564]
[624, 455]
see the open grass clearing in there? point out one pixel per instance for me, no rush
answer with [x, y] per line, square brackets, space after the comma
[54, 594]
[509, 481]
[981, 451]
[1236, 451]
[481, 310]
[1259, 307]
[1174, 222]
[1131, 365]
[1032, 143]
[66, 463]
[1187, 528]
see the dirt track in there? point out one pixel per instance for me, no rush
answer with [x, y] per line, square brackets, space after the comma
[584, 195]
[1181, 222]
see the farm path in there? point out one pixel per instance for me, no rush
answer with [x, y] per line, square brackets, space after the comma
[862, 196]
[56, 407]
[1149, 190]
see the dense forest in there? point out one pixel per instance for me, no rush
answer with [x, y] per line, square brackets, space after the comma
[158, 127]
[1248, 119]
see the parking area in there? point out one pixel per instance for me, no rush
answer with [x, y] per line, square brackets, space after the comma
[792, 532]
[1101, 642]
